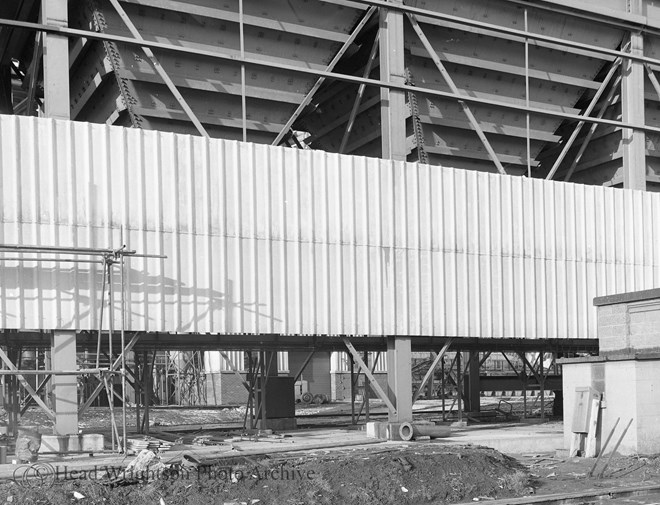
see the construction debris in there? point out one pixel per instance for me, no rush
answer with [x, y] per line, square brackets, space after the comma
[146, 467]
[149, 444]
[28, 443]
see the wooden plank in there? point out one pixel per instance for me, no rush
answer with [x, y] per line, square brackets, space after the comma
[590, 448]
[583, 399]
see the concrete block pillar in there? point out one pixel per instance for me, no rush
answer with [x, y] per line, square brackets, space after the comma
[399, 378]
[65, 387]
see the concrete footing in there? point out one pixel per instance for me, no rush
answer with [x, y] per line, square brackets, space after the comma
[383, 431]
[56, 444]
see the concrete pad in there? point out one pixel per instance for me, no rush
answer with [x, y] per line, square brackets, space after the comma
[511, 438]
[279, 424]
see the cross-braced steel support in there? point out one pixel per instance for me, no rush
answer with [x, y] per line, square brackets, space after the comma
[431, 370]
[389, 400]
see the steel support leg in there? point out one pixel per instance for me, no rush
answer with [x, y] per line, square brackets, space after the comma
[146, 386]
[12, 398]
[65, 387]
[365, 396]
[56, 62]
[632, 104]
[459, 386]
[473, 389]
[352, 389]
[392, 69]
[399, 378]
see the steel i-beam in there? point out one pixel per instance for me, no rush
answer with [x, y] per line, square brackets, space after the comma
[392, 70]
[632, 104]
[56, 60]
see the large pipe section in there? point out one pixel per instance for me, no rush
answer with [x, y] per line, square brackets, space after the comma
[408, 431]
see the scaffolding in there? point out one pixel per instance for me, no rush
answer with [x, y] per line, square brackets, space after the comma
[109, 259]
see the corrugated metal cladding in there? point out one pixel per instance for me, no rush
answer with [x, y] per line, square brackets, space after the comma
[215, 362]
[341, 362]
[275, 240]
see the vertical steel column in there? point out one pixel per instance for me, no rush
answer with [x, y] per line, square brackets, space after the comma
[442, 388]
[459, 386]
[474, 393]
[367, 389]
[527, 119]
[262, 390]
[138, 391]
[524, 385]
[399, 378]
[56, 62]
[429, 388]
[542, 387]
[392, 69]
[146, 386]
[241, 36]
[632, 105]
[352, 389]
[65, 387]
[12, 400]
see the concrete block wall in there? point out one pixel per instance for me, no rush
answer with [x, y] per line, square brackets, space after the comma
[647, 424]
[644, 325]
[627, 371]
[613, 329]
[224, 388]
[620, 402]
[630, 391]
[629, 324]
[316, 372]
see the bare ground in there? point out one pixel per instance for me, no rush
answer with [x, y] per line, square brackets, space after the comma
[416, 474]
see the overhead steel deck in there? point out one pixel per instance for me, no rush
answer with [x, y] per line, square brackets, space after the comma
[115, 83]
[88, 341]
[558, 60]
[482, 64]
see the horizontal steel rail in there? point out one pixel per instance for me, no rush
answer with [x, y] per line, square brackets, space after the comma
[522, 34]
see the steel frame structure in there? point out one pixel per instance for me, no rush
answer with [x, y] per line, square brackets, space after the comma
[392, 86]
[633, 123]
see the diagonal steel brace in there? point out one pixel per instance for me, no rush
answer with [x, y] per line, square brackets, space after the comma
[26, 385]
[115, 367]
[365, 369]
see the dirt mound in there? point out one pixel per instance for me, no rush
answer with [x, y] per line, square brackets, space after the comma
[428, 473]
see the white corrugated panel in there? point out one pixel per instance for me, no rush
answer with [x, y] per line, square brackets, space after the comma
[214, 361]
[273, 240]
